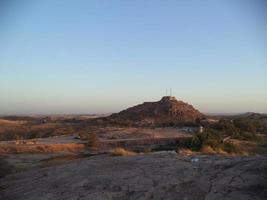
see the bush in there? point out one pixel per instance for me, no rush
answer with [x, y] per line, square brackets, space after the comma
[230, 148]
[246, 125]
[243, 129]
[209, 137]
[246, 136]
[210, 141]
[237, 128]
[225, 126]
[93, 142]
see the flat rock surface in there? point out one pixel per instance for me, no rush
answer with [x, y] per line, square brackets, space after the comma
[152, 176]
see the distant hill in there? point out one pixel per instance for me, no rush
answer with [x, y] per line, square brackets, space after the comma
[167, 111]
[251, 116]
[259, 117]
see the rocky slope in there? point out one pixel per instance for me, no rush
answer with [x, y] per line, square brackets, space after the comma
[165, 176]
[167, 111]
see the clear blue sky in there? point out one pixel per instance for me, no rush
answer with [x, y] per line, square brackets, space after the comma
[66, 56]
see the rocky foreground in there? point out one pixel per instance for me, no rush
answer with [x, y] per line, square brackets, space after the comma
[153, 176]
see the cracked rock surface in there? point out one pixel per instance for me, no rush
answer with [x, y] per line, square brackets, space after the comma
[152, 176]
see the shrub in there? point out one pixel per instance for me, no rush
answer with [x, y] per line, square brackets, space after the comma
[209, 137]
[246, 125]
[246, 136]
[225, 126]
[230, 148]
[243, 129]
[93, 142]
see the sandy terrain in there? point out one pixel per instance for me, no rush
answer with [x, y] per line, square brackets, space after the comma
[107, 134]
[108, 137]
[135, 133]
[63, 139]
[152, 176]
[64, 143]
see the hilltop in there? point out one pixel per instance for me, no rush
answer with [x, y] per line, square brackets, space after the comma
[167, 111]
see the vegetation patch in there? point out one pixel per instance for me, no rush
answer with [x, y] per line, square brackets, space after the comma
[221, 137]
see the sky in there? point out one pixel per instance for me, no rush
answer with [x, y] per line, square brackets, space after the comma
[102, 56]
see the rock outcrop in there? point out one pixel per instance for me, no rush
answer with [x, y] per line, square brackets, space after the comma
[153, 176]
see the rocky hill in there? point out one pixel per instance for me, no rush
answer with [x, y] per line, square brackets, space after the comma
[167, 111]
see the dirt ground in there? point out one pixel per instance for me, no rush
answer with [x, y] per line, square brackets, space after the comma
[134, 133]
[72, 143]
[150, 176]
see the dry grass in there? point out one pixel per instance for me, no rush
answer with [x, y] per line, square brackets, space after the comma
[207, 150]
[222, 152]
[9, 122]
[122, 152]
[185, 152]
[45, 126]
[211, 151]
[7, 125]
[41, 148]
